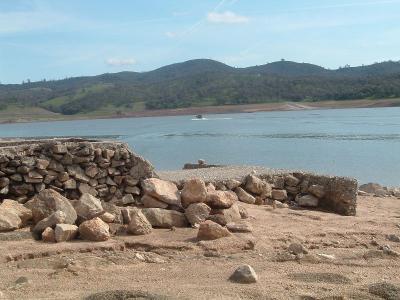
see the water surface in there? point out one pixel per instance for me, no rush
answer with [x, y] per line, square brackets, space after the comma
[363, 143]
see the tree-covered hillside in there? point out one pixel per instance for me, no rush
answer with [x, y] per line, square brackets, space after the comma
[206, 82]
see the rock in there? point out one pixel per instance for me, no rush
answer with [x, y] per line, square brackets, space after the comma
[257, 186]
[243, 212]
[278, 204]
[49, 201]
[65, 232]
[291, 180]
[139, 225]
[58, 217]
[244, 196]
[221, 199]
[88, 207]
[361, 193]
[107, 217]
[393, 238]
[210, 230]
[197, 213]
[317, 191]
[114, 210]
[210, 187]
[163, 218]
[132, 190]
[280, 195]
[59, 149]
[94, 230]
[70, 184]
[373, 189]
[296, 249]
[385, 290]
[4, 181]
[307, 201]
[162, 190]
[86, 188]
[244, 274]
[42, 164]
[24, 213]
[388, 251]
[219, 219]
[194, 191]
[151, 202]
[230, 215]
[48, 235]
[9, 220]
[239, 227]
[232, 184]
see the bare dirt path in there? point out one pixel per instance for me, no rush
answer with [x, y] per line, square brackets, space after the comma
[343, 259]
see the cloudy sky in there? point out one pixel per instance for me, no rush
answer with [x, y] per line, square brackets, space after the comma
[55, 39]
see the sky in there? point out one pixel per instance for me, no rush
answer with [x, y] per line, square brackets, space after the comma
[54, 39]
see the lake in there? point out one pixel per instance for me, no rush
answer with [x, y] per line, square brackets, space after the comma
[362, 143]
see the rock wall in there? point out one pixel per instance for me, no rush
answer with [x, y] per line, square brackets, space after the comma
[108, 170]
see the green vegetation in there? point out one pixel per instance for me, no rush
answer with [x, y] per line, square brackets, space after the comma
[204, 82]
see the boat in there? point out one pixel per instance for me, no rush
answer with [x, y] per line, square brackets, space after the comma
[199, 117]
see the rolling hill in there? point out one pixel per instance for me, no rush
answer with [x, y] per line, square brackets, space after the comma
[204, 82]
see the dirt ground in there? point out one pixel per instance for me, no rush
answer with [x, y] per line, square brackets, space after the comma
[343, 259]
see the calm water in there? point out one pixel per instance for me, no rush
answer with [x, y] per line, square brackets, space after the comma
[364, 143]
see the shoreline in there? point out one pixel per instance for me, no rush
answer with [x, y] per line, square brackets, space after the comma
[225, 109]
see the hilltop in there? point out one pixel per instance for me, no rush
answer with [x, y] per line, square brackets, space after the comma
[200, 83]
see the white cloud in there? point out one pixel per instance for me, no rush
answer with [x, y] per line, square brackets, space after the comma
[117, 62]
[226, 17]
[170, 34]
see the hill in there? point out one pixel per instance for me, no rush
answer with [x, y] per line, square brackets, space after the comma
[204, 82]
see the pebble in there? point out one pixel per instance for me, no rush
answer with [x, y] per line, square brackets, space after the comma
[244, 274]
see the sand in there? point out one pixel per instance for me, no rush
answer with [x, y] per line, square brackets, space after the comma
[343, 259]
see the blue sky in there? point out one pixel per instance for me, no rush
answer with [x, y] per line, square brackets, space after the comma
[55, 39]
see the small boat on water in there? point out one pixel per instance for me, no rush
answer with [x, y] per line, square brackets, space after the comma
[199, 117]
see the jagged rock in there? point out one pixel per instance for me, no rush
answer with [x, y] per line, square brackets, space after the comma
[307, 201]
[257, 186]
[48, 235]
[70, 184]
[150, 202]
[163, 218]
[58, 217]
[24, 213]
[134, 190]
[296, 248]
[232, 184]
[291, 180]
[194, 191]
[317, 191]
[94, 230]
[221, 199]
[244, 274]
[197, 213]
[88, 207]
[65, 232]
[49, 201]
[210, 230]
[86, 188]
[42, 164]
[280, 195]
[162, 190]
[139, 225]
[229, 215]
[239, 227]
[244, 196]
[114, 210]
[107, 217]
[9, 220]
[243, 212]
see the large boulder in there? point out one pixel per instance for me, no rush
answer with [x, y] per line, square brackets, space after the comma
[163, 218]
[221, 199]
[151, 202]
[9, 220]
[210, 230]
[65, 232]
[94, 230]
[49, 201]
[244, 196]
[162, 190]
[194, 191]
[88, 207]
[197, 213]
[225, 216]
[279, 195]
[139, 225]
[58, 217]
[24, 213]
[257, 186]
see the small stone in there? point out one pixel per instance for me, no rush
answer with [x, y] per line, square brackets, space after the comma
[296, 248]
[393, 238]
[197, 213]
[94, 230]
[210, 230]
[132, 190]
[62, 177]
[244, 274]
[232, 184]
[244, 196]
[221, 199]
[279, 204]
[385, 290]
[280, 195]
[48, 235]
[290, 180]
[65, 232]
[257, 186]
[70, 184]
[239, 227]
[194, 191]
[243, 212]
[139, 225]
[107, 217]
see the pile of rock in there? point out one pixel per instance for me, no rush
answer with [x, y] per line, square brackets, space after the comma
[378, 190]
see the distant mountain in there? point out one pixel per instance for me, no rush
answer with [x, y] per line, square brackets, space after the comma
[204, 82]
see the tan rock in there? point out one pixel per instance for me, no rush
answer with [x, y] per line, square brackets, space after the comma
[65, 232]
[88, 207]
[165, 218]
[255, 185]
[317, 191]
[194, 191]
[232, 184]
[94, 230]
[221, 199]
[58, 217]
[307, 201]
[24, 213]
[244, 196]
[210, 230]
[86, 188]
[280, 195]
[9, 220]
[243, 227]
[107, 217]
[48, 235]
[197, 213]
[139, 225]
[150, 202]
[162, 190]
[291, 180]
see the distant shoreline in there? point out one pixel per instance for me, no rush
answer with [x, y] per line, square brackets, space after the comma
[225, 109]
